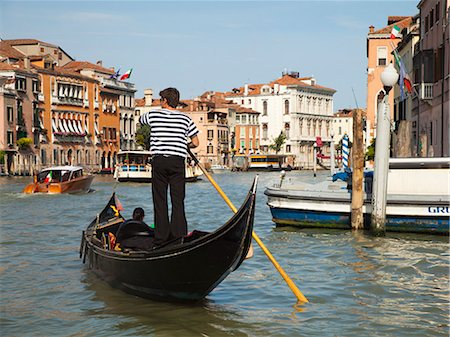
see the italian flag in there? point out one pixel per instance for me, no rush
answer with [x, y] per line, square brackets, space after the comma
[126, 75]
[395, 32]
[48, 178]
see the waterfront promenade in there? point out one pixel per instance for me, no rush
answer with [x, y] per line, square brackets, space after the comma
[357, 285]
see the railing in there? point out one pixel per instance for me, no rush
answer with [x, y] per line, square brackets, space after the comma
[425, 90]
[116, 84]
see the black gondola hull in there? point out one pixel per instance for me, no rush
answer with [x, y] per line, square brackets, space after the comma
[180, 271]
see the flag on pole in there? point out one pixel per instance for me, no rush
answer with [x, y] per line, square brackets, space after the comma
[48, 178]
[404, 79]
[395, 32]
[116, 75]
[126, 75]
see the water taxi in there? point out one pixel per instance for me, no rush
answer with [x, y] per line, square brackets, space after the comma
[260, 162]
[135, 166]
[60, 179]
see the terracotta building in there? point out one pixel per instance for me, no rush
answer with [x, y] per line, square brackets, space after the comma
[76, 106]
[379, 54]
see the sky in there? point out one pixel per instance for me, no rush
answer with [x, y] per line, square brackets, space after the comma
[197, 46]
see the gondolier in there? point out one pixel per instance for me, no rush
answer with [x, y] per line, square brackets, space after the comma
[169, 133]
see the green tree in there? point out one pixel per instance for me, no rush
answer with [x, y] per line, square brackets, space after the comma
[24, 143]
[143, 137]
[370, 154]
[278, 142]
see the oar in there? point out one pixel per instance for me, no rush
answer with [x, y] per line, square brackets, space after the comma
[285, 276]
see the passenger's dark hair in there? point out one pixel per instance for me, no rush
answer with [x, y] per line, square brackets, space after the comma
[138, 214]
[172, 96]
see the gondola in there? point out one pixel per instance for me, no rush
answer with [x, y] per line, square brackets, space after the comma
[186, 269]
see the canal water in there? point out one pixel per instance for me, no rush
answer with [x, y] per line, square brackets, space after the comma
[357, 285]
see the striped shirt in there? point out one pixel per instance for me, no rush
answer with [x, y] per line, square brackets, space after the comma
[169, 130]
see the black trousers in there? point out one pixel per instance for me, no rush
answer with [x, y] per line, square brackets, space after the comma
[168, 172]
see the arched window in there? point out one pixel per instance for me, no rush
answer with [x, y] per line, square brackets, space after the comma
[265, 108]
[287, 127]
[286, 107]
[264, 131]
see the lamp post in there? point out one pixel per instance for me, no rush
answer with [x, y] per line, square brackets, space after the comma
[380, 178]
[315, 158]
[332, 152]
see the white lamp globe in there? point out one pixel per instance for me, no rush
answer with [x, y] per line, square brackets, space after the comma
[389, 76]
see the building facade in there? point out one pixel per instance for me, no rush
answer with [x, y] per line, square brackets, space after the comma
[379, 54]
[19, 118]
[404, 137]
[71, 110]
[430, 108]
[297, 107]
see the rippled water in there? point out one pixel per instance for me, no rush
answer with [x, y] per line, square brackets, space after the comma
[357, 284]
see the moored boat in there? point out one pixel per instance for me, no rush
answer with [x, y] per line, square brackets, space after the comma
[418, 200]
[186, 269]
[134, 166]
[60, 179]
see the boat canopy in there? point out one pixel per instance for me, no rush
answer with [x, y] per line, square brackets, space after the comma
[62, 168]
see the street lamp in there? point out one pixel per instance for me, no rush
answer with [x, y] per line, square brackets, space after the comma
[380, 177]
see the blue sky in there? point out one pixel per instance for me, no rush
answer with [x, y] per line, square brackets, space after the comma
[212, 45]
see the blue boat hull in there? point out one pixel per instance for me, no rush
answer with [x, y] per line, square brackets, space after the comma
[342, 220]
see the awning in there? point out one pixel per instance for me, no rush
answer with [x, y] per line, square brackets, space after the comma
[96, 129]
[79, 126]
[54, 127]
[70, 126]
[65, 127]
[86, 129]
[61, 126]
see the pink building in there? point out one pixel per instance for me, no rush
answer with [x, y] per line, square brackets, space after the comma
[379, 54]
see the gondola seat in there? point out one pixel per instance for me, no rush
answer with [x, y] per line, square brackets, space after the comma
[135, 235]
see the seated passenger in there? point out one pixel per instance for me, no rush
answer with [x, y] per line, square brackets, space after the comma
[135, 233]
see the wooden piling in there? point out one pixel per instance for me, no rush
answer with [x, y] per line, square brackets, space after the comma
[358, 170]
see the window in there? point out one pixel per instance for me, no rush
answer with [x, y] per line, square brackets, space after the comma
[426, 23]
[244, 119]
[21, 83]
[264, 131]
[35, 86]
[210, 134]
[209, 149]
[288, 148]
[286, 107]
[265, 108]
[286, 130]
[10, 137]
[438, 13]
[432, 18]
[42, 50]
[381, 56]
[242, 144]
[340, 131]
[43, 157]
[10, 114]
[242, 132]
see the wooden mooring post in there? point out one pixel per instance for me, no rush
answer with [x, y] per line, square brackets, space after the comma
[358, 171]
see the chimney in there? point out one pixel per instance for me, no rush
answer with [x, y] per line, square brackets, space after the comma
[100, 63]
[276, 88]
[371, 29]
[26, 63]
[148, 94]
[245, 89]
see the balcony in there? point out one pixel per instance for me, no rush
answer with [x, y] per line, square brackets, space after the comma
[425, 90]
[115, 84]
[67, 100]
